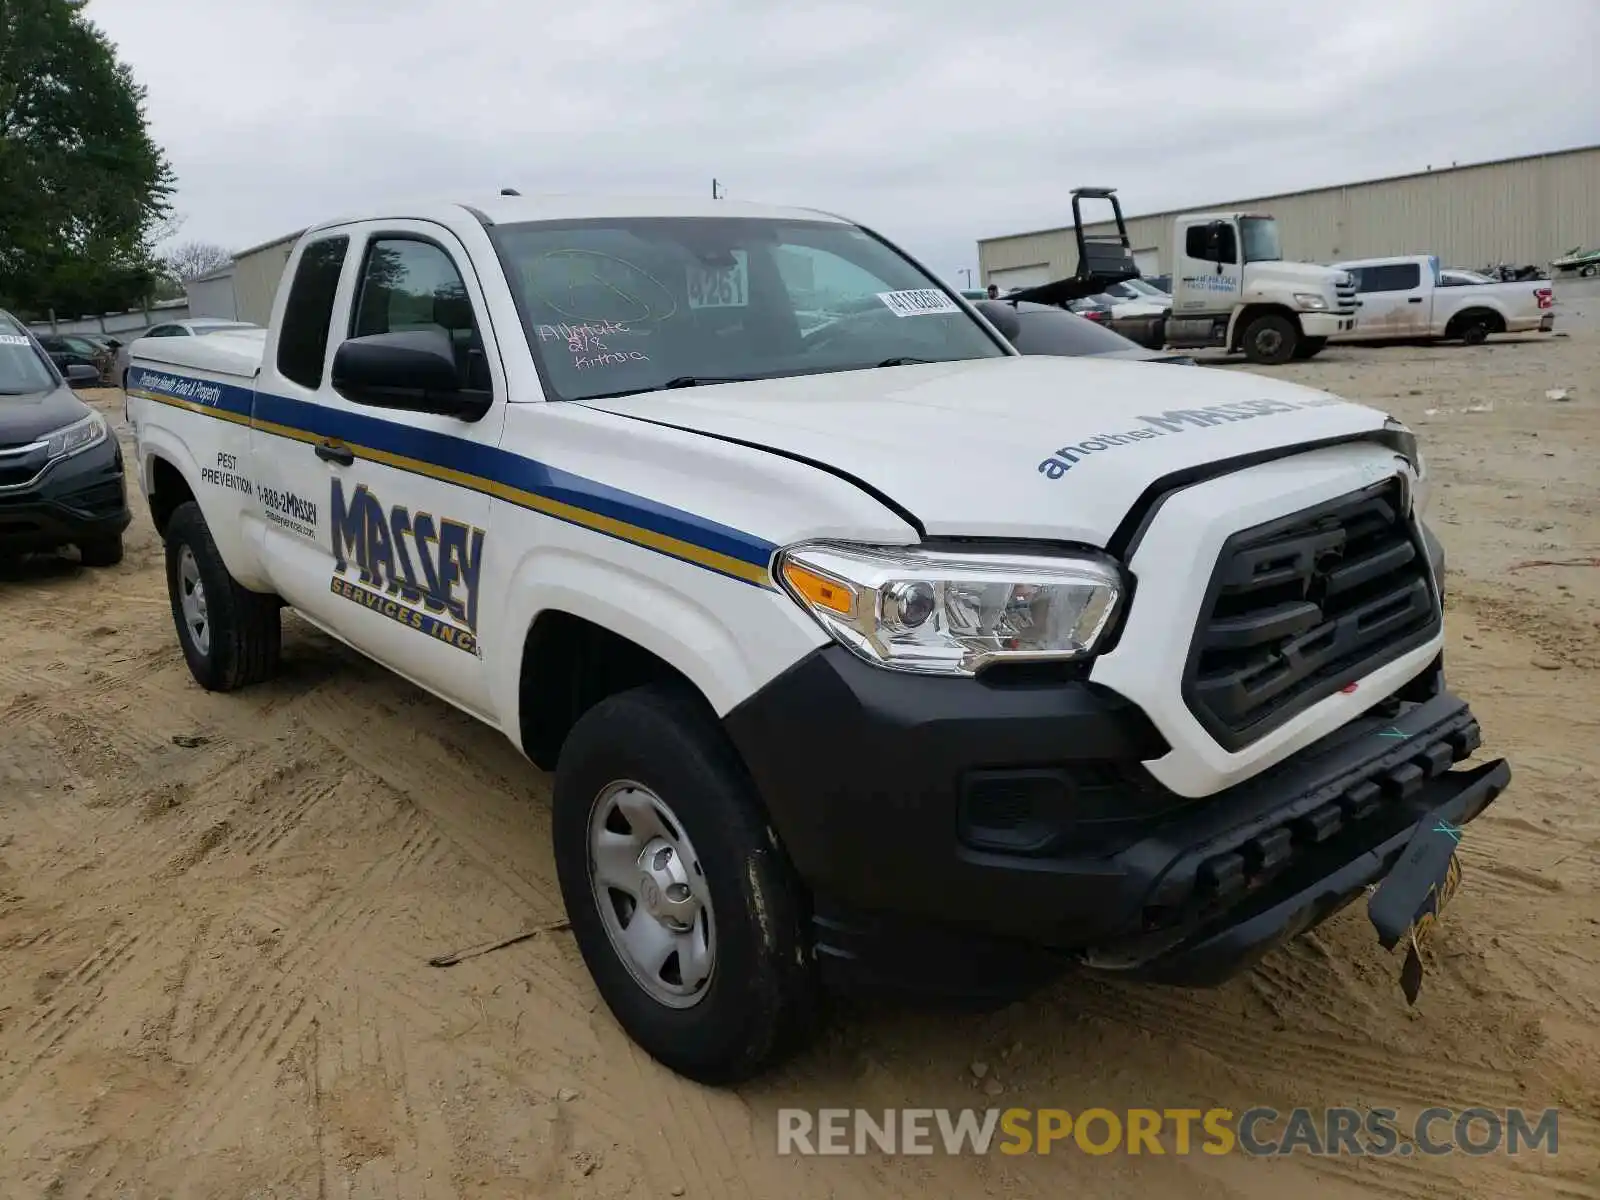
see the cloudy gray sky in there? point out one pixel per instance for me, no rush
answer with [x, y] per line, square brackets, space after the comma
[935, 121]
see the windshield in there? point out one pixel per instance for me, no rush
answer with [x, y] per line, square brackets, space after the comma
[22, 369]
[1260, 236]
[633, 304]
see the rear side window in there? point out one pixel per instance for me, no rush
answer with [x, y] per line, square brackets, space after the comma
[303, 333]
[1393, 277]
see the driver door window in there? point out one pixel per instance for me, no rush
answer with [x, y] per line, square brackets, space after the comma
[411, 284]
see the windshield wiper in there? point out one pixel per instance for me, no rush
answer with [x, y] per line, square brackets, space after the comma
[904, 361]
[683, 381]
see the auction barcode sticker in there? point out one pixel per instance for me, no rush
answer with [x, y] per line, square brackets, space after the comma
[13, 339]
[918, 303]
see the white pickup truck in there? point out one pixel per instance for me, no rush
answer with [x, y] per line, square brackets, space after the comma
[864, 650]
[1405, 297]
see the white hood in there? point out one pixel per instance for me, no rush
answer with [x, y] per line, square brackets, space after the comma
[1288, 274]
[1036, 446]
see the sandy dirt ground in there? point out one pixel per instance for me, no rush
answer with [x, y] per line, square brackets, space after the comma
[216, 915]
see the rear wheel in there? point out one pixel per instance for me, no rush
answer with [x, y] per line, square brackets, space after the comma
[231, 636]
[1270, 339]
[1309, 347]
[685, 909]
[1474, 331]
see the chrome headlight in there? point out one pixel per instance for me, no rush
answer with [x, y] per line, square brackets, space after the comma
[956, 612]
[80, 435]
[1310, 301]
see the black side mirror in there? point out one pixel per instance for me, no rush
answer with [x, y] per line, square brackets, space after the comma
[414, 370]
[82, 375]
[1214, 241]
[1002, 316]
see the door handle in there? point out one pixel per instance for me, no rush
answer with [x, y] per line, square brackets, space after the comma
[334, 453]
[1413, 299]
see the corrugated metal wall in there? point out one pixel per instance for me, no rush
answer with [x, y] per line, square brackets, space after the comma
[212, 296]
[255, 279]
[1526, 210]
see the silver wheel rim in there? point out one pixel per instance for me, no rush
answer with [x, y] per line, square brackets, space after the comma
[1269, 341]
[192, 600]
[652, 895]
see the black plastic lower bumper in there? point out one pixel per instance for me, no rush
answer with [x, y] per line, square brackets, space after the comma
[973, 837]
[79, 499]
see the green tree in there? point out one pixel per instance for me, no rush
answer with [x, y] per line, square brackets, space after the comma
[82, 185]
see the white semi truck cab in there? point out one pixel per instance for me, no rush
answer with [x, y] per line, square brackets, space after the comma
[1232, 290]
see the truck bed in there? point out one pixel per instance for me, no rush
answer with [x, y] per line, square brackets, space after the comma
[234, 352]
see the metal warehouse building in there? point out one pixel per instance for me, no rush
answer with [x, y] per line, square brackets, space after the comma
[1515, 210]
[256, 272]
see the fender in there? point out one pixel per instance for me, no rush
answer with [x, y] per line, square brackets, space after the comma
[238, 540]
[696, 635]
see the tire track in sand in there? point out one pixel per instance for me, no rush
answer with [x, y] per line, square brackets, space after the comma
[270, 1010]
[491, 826]
[75, 998]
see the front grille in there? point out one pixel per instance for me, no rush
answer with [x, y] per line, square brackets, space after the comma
[1303, 606]
[1345, 297]
[1225, 869]
[13, 472]
[19, 464]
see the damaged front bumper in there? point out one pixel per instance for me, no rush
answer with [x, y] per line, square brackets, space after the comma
[975, 840]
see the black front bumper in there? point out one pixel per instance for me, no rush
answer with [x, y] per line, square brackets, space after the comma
[77, 500]
[976, 837]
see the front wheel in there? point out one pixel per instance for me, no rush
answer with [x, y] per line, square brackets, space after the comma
[1309, 347]
[1270, 339]
[683, 906]
[231, 636]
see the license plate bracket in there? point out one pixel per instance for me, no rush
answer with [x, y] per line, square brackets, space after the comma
[1410, 900]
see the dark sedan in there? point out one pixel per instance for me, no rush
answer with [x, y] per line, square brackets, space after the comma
[1045, 329]
[61, 479]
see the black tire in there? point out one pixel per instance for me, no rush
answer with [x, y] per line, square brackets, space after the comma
[1309, 347]
[101, 552]
[1588, 270]
[761, 1000]
[245, 634]
[1474, 332]
[1270, 339]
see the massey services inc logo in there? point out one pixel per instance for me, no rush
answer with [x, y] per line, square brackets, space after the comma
[1178, 420]
[1254, 1132]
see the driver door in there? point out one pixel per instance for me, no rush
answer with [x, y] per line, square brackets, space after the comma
[1209, 272]
[407, 493]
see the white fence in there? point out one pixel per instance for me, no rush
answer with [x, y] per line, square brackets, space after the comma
[123, 325]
